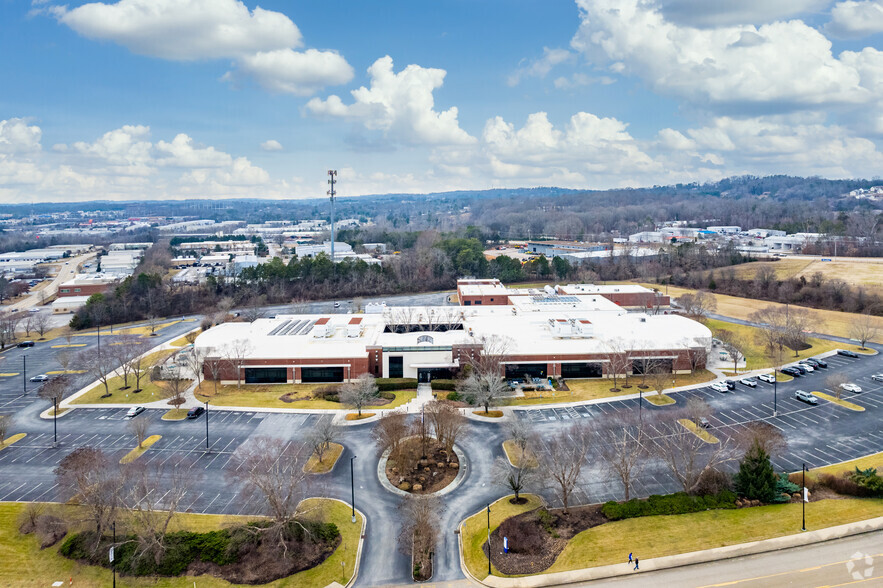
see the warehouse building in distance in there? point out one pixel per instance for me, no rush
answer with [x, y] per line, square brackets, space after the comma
[490, 291]
[541, 335]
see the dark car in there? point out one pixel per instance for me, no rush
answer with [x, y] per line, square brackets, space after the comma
[731, 384]
[194, 412]
[791, 372]
[800, 369]
[820, 362]
[814, 362]
[844, 352]
[26, 344]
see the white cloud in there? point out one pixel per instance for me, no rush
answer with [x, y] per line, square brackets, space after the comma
[540, 68]
[183, 29]
[260, 42]
[286, 71]
[712, 13]
[271, 145]
[774, 67]
[674, 140]
[401, 105]
[852, 20]
[580, 79]
[16, 136]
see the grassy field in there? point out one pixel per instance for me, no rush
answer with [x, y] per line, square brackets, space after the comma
[592, 389]
[139, 451]
[755, 354]
[869, 461]
[268, 396]
[866, 272]
[829, 322]
[474, 531]
[514, 455]
[658, 536]
[332, 454]
[150, 392]
[23, 564]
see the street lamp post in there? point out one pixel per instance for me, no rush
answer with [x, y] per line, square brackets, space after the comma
[353, 486]
[24, 374]
[488, 539]
[803, 500]
[113, 564]
[55, 421]
[206, 426]
[640, 405]
[775, 391]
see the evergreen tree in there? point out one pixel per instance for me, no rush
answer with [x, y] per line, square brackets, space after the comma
[756, 479]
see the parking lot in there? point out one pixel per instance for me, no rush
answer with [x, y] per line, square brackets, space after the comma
[816, 435]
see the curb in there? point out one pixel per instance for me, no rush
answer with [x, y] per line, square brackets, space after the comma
[46, 416]
[387, 485]
[680, 560]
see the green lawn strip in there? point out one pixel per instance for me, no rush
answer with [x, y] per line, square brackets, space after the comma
[514, 455]
[866, 351]
[150, 392]
[474, 531]
[839, 401]
[756, 356]
[12, 439]
[175, 414]
[24, 565]
[61, 411]
[332, 454]
[139, 451]
[659, 399]
[659, 536]
[698, 431]
[269, 396]
[869, 461]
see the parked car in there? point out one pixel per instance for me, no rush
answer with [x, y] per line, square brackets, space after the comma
[750, 382]
[769, 378]
[731, 384]
[819, 362]
[806, 397]
[40, 378]
[808, 367]
[720, 387]
[800, 368]
[134, 411]
[33, 310]
[337, 305]
[26, 344]
[877, 377]
[847, 353]
[850, 387]
[194, 412]
[791, 371]
[703, 422]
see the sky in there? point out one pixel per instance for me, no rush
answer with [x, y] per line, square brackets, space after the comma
[173, 99]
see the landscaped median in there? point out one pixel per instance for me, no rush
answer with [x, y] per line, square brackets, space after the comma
[659, 399]
[304, 396]
[12, 439]
[698, 431]
[652, 537]
[839, 401]
[139, 451]
[515, 455]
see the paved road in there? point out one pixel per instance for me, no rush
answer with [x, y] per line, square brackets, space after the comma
[68, 270]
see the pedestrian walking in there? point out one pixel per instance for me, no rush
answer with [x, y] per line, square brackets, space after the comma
[636, 563]
[630, 557]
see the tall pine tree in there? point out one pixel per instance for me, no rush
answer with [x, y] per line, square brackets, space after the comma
[756, 479]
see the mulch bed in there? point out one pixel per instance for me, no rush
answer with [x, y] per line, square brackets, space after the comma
[430, 474]
[536, 538]
[287, 397]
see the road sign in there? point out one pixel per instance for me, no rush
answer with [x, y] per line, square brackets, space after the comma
[110, 555]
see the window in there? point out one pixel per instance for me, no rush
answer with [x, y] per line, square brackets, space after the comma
[520, 370]
[65, 290]
[323, 374]
[425, 339]
[581, 370]
[266, 375]
[396, 367]
[467, 303]
[76, 289]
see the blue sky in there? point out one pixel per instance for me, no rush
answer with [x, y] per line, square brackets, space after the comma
[141, 99]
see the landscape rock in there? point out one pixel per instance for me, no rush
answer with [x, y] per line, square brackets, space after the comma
[418, 487]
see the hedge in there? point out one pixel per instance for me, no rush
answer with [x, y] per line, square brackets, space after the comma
[390, 384]
[678, 503]
[444, 385]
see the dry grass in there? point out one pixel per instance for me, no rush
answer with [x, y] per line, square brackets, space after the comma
[839, 401]
[659, 399]
[145, 330]
[698, 431]
[139, 451]
[491, 414]
[474, 531]
[269, 396]
[12, 439]
[150, 392]
[514, 455]
[354, 416]
[332, 454]
[869, 461]
[175, 414]
[866, 272]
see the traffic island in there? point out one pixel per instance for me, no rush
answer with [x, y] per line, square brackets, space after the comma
[698, 431]
[515, 455]
[11, 440]
[329, 459]
[407, 472]
[175, 414]
[660, 399]
[140, 450]
[839, 401]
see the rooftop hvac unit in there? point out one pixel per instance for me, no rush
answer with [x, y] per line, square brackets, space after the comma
[549, 290]
[560, 327]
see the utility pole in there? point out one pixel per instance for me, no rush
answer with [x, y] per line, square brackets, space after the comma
[332, 174]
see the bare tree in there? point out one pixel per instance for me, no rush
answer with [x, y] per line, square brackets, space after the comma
[99, 365]
[448, 424]
[138, 428]
[617, 355]
[697, 356]
[768, 437]
[8, 324]
[698, 305]
[191, 336]
[660, 379]
[390, 431]
[174, 388]
[783, 326]
[485, 382]
[515, 477]
[562, 465]
[864, 328]
[420, 516]
[254, 308]
[215, 367]
[5, 424]
[64, 359]
[730, 342]
[687, 456]
[95, 481]
[236, 353]
[195, 359]
[271, 468]
[522, 435]
[359, 393]
[152, 323]
[56, 389]
[834, 382]
[28, 323]
[123, 351]
[138, 366]
[621, 446]
[697, 409]
[41, 323]
[321, 436]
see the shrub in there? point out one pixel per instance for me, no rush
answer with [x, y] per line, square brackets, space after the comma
[868, 479]
[784, 489]
[678, 503]
[714, 482]
[756, 479]
[446, 385]
[389, 384]
[454, 396]
[329, 392]
[387, 395]
[843, 486]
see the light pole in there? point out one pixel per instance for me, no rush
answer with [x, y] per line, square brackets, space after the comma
[353, 486]
[332, 174]
[113, 564]
[206, 426]
[55, 421]
[640, 405]
[24, 374]
[488, 539]
[803, 500]
[775, 391]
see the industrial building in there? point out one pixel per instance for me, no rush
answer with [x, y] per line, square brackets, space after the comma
[490, 291]
[539, 335]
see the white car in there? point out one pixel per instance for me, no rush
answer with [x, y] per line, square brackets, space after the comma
[769, 378]
[720, 387]
[809, 369]
[134, 411]
[750, 382]
[877, 377]
[850, 387]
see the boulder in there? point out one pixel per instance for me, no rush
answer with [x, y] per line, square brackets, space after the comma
[404, 486]
[454, 465]
[426, 469]
[418, 487]
[440, 465]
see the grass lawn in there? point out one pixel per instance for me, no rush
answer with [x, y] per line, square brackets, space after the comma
[150, 392]
[145, 330]
[869, 461]
[830, 322]
[659, 399]
[756, 356]
[180, 342]
[268, 396]
[839, 401]
[354, 416]
[139, 451]
[332, 454]
[698, 431]
[595, 388]
[514, 455]
[659, 536]
[12, 439]
[175, 414]
[474, 531]
[865, 271]
[23, 564]
[61, 411]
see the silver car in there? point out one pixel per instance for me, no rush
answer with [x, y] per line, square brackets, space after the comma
[804, 396]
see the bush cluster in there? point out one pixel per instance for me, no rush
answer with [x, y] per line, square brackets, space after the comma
[446, 385]
[678, 503]
[329, 392]
[389, 384]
